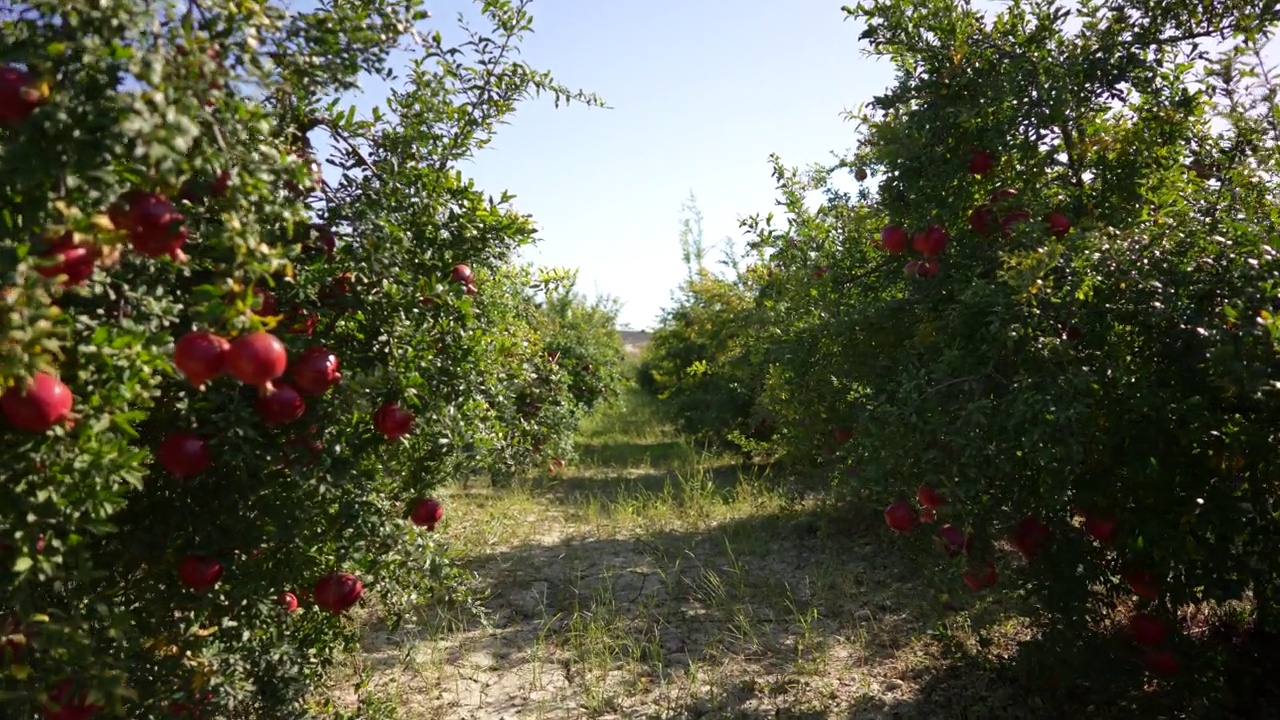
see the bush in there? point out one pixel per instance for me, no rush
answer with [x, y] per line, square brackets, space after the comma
[1054, 310]
[242, 376]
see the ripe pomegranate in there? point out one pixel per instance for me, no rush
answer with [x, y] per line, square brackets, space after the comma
[981, 162]
[932, 241]
[201, 356]
[842, 434]
[929, 497]
[392, 421]
[199, 572]
[1162, 663]
[1147, 630]
[1030, 537]
[899, 516]
[426, 512]
[980, 578]
[1059, 224]
[819, 273]
[257, 358]
[1101, 528]
[1009, 223]
[289, 601]
[19, 95]
[1072, 333]
[304, 323]
[315, 371]
[461, 274]
[337, 592]
[65, 703]
[911, 269]
[184, 454]
[321, 241]
[154, 225]
[196, 190]
[265, 304]
[860, 174]
[469, 288]
[44, 402]
[928, 515]
[893, 238]
[982, 220]
[70, 258]
[954, 541]
[281, 404]
[1143, 583]
[1003, 195]
[928, 268]
[337, 289]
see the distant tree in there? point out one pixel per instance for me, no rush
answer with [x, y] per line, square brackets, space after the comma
[692, 248]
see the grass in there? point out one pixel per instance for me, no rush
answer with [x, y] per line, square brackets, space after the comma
[655, 580]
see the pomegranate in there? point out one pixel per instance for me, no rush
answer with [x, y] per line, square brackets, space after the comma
[842, 434]
[154, 225]
[45, 402]
[281, 405]
[893, 238]
[65, 703]
[928, 515]
[929, 497]
[819, 273]
[982, 220]
[931, 242]
[899, 516]
[184, 454]
[288, 601]
[981, 162]
[469, 288]
[911, 269]
[257, 358]
[1143, 583]
[980, 578]
[426, 512]
[70, 258]
[265, 304]
[392, 421]
[1030, 537]
[304, 323]
[1059, 224]
[1072, 333]
[1003, 195]
[1147, 630]
[1009, 223]
[315, 371]
[1162, 663]
[1101, 528]
[337, 592]
[461, 274]
[201, 356]
[928, 268]
[954, 541]
[19, 95]
[321, 241]
[199, 572]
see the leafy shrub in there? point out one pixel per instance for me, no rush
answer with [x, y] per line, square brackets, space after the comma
[244, 375]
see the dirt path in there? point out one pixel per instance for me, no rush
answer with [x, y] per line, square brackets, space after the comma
[650, 583]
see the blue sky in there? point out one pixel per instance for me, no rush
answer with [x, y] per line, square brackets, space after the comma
[701, 92]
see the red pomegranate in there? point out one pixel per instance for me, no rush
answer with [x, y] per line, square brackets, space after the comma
[1009, 223]
[899, 516]
[321, 241]
[980, 578]
[44, 402]
[281, 404]
[201, 356]
[931, 242]
[426, 512]
[392, 421]
[257, 358]
[1101, 528]
[1147, 630]
[154, 225]
[469, 288]
[981, 162]
[1162, 663]
[928, 268]
[337, 592]
[71, 258]
[199, 572]
[461, 273]
[1030, 537]
[954, 541]
[265, 303]
[842, 434]
[982, 220]
[19, 95]
[184, 454]
[288, 601]
[929, 497]
[893, 238]
[1143, 583]
[304, 323]
[66, 703]
[315, 371]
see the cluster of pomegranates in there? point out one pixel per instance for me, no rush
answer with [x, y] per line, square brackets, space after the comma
[998, 212]
[1030, 537]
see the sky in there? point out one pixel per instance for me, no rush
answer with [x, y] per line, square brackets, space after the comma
[700, 92]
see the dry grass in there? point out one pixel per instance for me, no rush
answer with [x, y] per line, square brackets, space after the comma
[653, 581]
